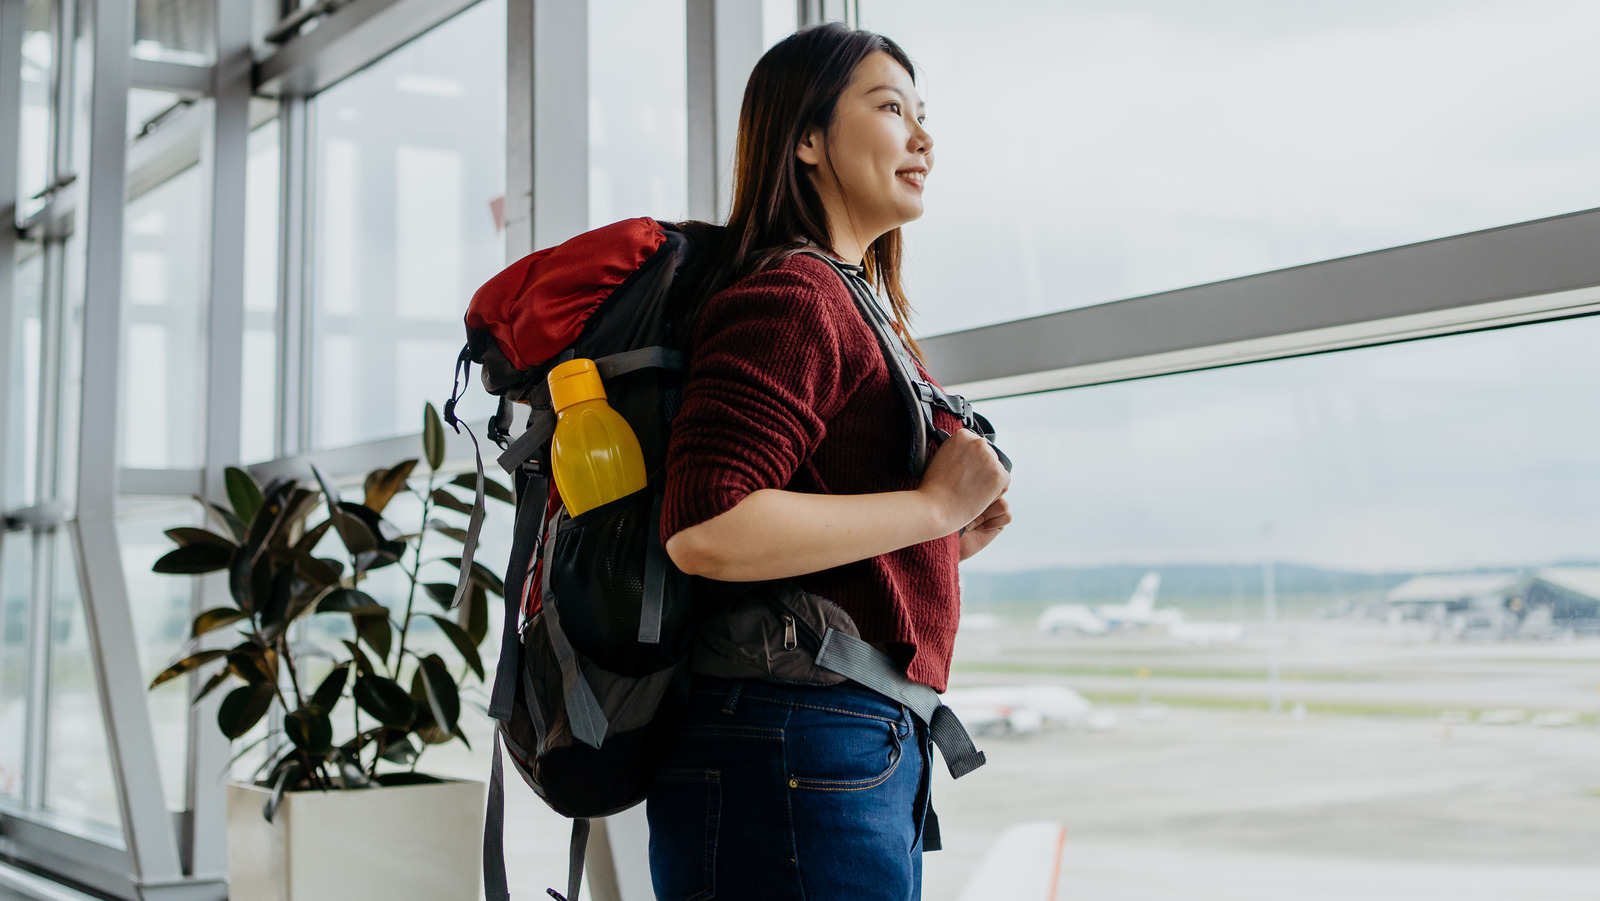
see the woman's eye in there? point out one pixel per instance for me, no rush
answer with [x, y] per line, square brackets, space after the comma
[893, 104]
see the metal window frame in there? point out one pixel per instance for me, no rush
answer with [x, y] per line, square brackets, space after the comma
[1528, 272]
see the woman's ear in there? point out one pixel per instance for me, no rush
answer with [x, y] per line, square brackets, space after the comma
[812, 149]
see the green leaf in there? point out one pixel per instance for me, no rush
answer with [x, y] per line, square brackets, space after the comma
[243, 708]
[363, 665]
[192, 662]
[432, 682]
[308, 542]
[224, 517]
[310, 729]
[482, 575]
[376, 632]
[291, 773]
[254, 664]
[383, 484]
[332, 687]
[463, 642]
[450, 502]
[212, 684]
[215, 618]
[384, 700]
[447, 530]
[186, 536]
[477, 604]
[491, 488]
[442, 592]
[399, 749]
[345, 600]
[243, 493]
[432, 437]
[194, 559]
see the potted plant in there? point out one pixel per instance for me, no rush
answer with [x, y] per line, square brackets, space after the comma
[338, 808]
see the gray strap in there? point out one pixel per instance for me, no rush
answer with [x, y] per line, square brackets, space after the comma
[655, 580]
[583, 711]
[494, 841]
[542, 423]
[642, 358]
[580, 844]
[474, 525]
[853, 658]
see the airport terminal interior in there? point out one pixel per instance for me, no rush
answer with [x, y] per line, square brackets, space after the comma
[1285, 313]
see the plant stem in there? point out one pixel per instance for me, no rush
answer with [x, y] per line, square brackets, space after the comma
[411, 595]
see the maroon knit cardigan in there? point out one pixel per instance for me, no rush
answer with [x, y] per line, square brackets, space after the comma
[788, 389]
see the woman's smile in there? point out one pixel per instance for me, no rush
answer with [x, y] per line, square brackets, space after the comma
[915, 177]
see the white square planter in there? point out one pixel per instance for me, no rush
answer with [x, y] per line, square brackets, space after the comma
[408, 841]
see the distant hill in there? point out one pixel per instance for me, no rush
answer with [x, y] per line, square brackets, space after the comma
[1185, 585]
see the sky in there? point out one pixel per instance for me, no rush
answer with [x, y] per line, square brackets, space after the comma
[1087, 152]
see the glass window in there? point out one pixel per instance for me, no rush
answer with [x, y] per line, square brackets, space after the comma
[779, 18]
[22, 409]
[175, 31]
[77, 763]
[163, 338]
[410, 157]
[1091, 152]
[144, 106]
[638, 110]
[1405, 535]
[162, 610]
[258, 421]
[38, 56]
[16, 591]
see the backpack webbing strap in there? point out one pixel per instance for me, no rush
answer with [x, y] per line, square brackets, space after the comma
[525, 539]
[542, 422]
[474, 521]
[494, 831]
[584, 715]
[580, 844]
[655, 580]
[853, 658]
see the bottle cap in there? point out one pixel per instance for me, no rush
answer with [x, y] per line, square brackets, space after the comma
[573, 382]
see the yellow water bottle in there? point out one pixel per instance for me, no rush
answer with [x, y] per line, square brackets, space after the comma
[594, 454]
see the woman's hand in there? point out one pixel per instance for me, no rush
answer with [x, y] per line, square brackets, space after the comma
[985, 528]
[963, 479]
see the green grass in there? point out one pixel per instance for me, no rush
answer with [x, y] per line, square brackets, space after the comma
[1412, 711]
[1022, 667]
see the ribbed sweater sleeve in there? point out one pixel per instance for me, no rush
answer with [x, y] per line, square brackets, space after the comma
[765, 378]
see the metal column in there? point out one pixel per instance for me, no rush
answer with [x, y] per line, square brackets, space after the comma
[224, 155]
[547, 123]
[725, 40]
[147, 827]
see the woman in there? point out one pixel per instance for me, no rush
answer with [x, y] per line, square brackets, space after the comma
[787, 461]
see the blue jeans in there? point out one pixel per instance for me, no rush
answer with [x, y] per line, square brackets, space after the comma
[773, 791]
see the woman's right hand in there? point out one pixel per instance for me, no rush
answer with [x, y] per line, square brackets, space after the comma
[963, 478]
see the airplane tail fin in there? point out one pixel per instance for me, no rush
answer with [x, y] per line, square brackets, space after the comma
[1144, 596]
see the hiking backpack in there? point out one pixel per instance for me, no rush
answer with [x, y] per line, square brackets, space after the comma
[599, 623]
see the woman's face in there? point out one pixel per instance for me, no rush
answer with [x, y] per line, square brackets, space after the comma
[870, 167]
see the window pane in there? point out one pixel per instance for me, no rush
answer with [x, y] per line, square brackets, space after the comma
[77, 764]
[16, 586]
[410, 162]
[258, 423]
[145, 105]
[638, 110]
[172, 30]
[161, 606]
[163, 337]
[22, 411]
[1427, 512]
[1091, 152]
[38, 54]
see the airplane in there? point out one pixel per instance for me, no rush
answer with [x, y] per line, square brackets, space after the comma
[1140, 611]
[1022, 709]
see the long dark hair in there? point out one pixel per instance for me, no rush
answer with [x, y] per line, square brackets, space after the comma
[776, 211]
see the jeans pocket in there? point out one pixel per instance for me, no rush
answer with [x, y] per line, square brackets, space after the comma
[684, 810]
[842, 752]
